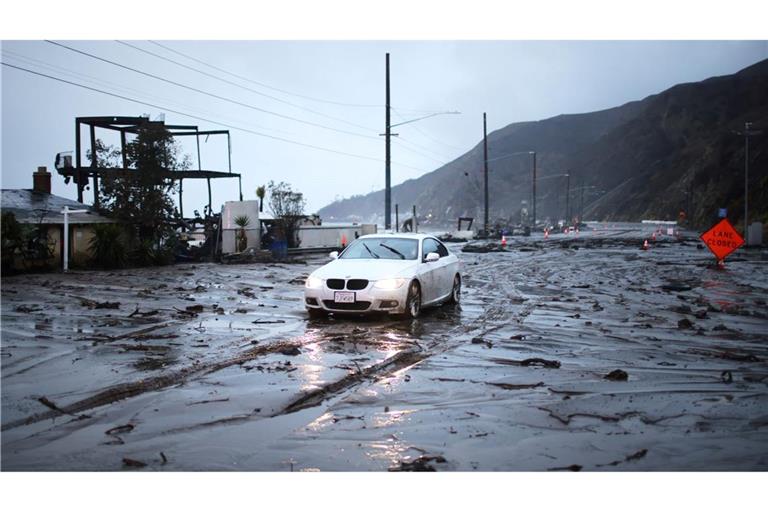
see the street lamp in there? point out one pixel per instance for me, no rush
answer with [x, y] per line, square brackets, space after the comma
[387, 151]
[747, 132]
[533, 181]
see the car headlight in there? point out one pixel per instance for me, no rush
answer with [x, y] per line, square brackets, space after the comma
[389, 284]
[313, 282]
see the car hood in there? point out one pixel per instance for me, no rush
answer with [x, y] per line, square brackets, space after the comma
[366, 269]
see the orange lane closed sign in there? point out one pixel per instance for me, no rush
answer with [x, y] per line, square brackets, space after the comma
[722, 239]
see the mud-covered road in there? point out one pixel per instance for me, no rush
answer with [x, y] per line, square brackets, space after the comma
[576, 352]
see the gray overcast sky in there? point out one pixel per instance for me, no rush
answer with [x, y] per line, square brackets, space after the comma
[511, 80]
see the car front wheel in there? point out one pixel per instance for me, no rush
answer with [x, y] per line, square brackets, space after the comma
[413, 303]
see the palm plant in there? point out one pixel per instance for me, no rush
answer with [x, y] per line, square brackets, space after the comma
[242, 221]
[260, 193]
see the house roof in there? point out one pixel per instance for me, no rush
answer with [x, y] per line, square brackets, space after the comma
[31, 207]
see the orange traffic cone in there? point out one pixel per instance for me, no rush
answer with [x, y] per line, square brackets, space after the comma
[546, 234]
[503, 241]
[653, 236]
[645, 245]
[343, 240]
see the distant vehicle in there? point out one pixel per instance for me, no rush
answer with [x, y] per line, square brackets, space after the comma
[397, 274]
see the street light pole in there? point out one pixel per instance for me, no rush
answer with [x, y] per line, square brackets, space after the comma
[387, 162]
[485, 172]
[533, 224]
[747, 126]
[567, 196]
[388, 150]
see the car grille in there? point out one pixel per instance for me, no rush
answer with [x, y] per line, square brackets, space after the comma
[335, 284]
[352, 284]
[357, 284]
[347, 306]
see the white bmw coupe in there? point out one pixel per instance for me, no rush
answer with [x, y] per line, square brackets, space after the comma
[391, 273]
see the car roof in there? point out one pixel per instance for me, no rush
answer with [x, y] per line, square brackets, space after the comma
[414, 236]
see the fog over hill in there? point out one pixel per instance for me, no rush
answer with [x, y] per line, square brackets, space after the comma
[678, 150]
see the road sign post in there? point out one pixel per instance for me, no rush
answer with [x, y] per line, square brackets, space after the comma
[722, 239]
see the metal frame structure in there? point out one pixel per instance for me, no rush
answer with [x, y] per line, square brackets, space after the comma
[131, 125]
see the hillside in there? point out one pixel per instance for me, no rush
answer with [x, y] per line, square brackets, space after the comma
[676, 150]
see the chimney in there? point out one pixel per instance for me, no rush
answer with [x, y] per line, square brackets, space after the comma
[42, 180]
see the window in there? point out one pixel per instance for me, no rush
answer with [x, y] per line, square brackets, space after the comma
[429, 245]
[441, 250]
[381, 248]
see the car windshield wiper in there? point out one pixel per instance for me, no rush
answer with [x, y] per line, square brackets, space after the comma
[370, 251]
[402, 256]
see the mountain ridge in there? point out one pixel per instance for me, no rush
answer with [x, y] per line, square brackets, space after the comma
[671, 151]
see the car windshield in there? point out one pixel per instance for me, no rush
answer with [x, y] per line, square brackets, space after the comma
[382, 248]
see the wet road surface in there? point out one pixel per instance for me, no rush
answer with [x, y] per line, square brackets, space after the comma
[576, 352]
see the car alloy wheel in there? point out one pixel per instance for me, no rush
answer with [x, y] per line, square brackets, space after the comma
[413, 304]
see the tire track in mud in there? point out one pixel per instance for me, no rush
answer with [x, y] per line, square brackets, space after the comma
[401, 360]
[131, 389]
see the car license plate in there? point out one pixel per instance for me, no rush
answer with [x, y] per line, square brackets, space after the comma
[344, 297]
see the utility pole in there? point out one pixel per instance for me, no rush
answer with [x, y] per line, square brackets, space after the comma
[581, 203]
[567, 196]
[533, 224]
[387, 162]
[746, 182]
[485, 173]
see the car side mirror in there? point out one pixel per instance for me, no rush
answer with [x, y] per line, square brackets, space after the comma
[432, 256]
[334, 255]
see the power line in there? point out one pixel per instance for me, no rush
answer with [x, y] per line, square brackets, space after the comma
[261, 83]
[423, 148]
[254, 91]
[402, 144]
[200, 118]
[121, 88]
[200, 91]
[398, 114]
[442, 158]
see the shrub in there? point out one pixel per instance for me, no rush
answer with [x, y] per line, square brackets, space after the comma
[12, 240]
[108, 247]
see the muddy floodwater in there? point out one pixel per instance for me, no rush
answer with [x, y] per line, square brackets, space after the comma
[578, 352]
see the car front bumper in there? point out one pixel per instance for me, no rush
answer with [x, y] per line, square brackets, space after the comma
[368, 300]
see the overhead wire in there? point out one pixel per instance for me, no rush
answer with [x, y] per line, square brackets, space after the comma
[200, 91]
[201, 118]
[398, 111]
[263, 84]
[249, 89]
[402, 143]
[121, 88]
[401, 140]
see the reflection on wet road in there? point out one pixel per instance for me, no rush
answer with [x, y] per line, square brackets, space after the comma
[571, 353]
